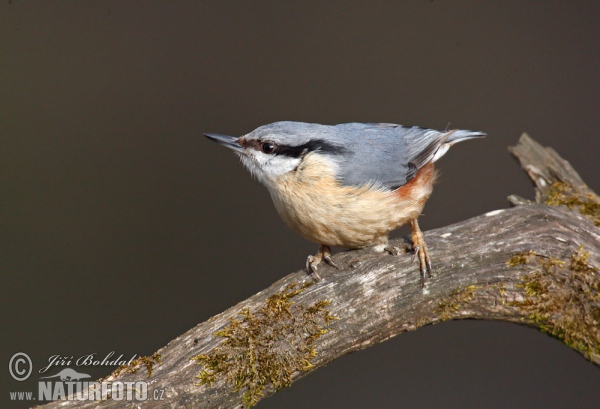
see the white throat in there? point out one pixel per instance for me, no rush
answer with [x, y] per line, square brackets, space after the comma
[267, 168]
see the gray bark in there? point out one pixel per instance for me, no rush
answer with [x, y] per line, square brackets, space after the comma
[378, 296]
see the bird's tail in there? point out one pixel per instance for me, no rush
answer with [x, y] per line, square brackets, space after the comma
[462, 135]
[456, 136]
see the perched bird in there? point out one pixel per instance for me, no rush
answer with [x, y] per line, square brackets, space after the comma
[346, 185]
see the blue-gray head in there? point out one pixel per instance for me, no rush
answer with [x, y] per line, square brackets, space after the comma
[278, 148]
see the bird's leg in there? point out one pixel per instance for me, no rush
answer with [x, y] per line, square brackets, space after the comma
[324, 253]
[420, 250]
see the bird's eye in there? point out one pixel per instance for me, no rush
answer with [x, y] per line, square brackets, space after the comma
[267, 147]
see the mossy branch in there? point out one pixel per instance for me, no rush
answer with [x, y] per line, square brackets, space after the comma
[535, 264]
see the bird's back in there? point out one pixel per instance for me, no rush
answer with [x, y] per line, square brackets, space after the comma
[387, 155]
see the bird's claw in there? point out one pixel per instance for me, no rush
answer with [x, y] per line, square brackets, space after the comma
[327, 258]
[422, 268]
[311, 267]
[420, 251]
[415, 252]
[424, 262]
[312, 261]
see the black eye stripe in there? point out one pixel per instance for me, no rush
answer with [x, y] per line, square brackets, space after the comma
[291, 151]
[314, 145]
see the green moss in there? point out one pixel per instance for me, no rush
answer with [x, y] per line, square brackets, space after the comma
[143, 361]
[422, 321]
[448, 306]
[268, 345]
[520, 258]
[563, 193]
[563, 300]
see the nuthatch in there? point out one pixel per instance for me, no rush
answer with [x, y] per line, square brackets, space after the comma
[347, 185]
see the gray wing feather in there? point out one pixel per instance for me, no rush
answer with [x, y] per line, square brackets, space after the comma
[388, 155]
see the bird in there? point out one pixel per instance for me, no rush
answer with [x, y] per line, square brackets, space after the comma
[347, 185]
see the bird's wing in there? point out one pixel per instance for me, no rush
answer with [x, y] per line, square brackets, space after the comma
[387, 155]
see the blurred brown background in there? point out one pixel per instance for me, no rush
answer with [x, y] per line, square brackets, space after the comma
[121, 226]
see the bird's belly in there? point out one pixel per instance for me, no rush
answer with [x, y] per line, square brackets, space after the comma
[349, 217]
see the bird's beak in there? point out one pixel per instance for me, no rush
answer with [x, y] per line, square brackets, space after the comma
[230, 142]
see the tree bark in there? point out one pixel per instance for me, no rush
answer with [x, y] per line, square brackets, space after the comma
[503, 265]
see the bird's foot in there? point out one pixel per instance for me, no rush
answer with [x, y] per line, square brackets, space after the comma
[312, 262]
[311, 266]
[420, 251]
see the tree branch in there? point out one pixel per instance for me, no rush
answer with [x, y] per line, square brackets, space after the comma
[522, 264]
